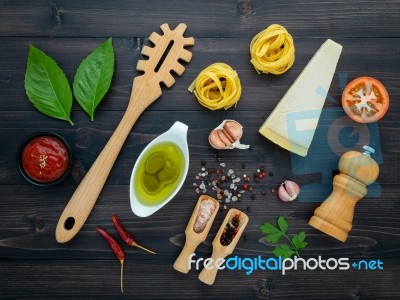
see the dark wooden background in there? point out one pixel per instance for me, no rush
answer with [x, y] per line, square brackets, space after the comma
[34, 265]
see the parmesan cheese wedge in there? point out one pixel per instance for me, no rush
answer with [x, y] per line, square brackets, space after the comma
[293, 122]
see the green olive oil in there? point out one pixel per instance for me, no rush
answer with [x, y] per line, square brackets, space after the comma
[159, 172]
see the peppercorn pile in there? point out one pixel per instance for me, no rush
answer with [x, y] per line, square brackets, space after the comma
[225, 184]
[230, 231]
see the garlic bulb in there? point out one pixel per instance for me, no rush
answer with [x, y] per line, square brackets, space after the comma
[227, 136]
[288, 191]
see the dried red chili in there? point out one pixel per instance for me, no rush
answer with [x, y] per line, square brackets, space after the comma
[126, 236]
[116, 248]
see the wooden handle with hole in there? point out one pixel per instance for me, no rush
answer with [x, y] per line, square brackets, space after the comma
[145, 90]
[85, 196]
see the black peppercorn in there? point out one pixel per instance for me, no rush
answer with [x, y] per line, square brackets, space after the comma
[230, 231]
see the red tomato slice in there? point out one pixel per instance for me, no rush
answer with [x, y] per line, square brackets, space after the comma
[365, 100]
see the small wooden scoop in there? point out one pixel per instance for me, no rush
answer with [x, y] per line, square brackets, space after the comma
[193, 239]
[208, 275]
[145, 90]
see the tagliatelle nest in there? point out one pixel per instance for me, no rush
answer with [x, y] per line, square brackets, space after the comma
[272, 50]
[217, 86]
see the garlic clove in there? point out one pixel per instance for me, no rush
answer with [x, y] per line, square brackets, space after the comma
[234, 129]
[292, 188]
[283, 194]
[215, 141]
[288, 191]
[224, 138]
[227, 136]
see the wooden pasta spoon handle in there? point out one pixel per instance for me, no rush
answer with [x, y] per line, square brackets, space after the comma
[145, 90]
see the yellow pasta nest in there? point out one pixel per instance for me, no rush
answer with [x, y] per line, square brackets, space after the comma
[272, 50]
[217, 86]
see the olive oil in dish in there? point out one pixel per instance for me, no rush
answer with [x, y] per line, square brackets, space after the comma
[159, 173]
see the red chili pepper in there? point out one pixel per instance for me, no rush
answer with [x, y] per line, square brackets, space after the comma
[116, 248]
[126, 236]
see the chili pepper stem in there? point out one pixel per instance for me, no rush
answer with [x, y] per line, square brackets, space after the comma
[122, 276]
[116, 248]
[134, 244]
[126, 236]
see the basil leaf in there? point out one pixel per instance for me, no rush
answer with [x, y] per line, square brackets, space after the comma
[46, 86]
[93, 77]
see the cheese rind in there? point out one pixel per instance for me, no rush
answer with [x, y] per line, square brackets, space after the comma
[292, 123]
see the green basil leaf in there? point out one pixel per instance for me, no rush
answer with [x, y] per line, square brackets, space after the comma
[93, 77]
[46, 86]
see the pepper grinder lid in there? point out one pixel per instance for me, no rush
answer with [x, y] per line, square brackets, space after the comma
[360, 166]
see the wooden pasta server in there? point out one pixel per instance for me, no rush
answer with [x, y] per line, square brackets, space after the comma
[220, 251]
[197, 230]
[145, 90]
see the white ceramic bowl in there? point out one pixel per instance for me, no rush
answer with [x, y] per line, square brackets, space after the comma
[176, 134]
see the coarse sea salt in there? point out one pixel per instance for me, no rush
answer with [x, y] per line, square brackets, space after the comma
[204, 214]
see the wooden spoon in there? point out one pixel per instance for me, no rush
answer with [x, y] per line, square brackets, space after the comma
[193, 239]
[145, 90]
[208, 275]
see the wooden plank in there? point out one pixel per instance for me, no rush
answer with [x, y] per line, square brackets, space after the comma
[29, 217]
[205, 18]
[87, 139]
[259, 91]
[35, 266]
[99, 279]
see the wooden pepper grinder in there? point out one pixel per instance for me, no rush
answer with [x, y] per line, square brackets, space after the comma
[335, 215]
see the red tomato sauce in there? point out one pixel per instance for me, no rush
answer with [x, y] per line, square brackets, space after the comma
[45, 159]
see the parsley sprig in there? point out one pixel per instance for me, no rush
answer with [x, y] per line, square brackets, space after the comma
[275, 233]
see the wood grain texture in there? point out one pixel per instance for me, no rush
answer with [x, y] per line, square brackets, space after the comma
[35, 266]
[335, 215]
[206, 18]
[145, 90]
[88, 279]
[194, 238]
[259, 91]
[220, 251]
